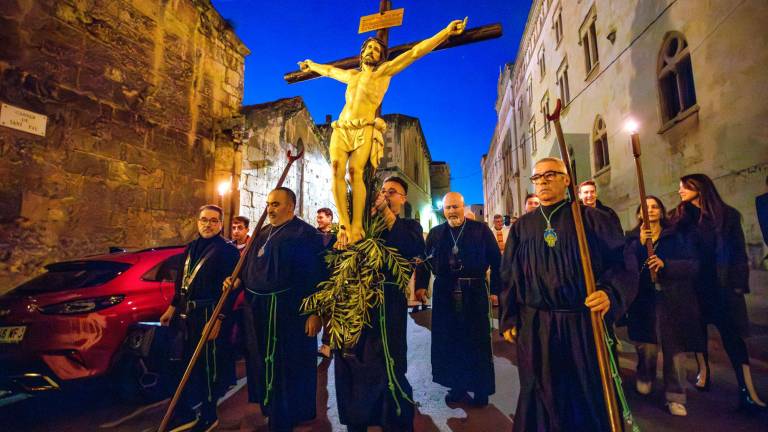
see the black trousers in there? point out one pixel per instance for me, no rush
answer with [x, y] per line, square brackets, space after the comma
[206, 383]
[733, 343]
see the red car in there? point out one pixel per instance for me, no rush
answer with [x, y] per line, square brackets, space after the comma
[86, 318]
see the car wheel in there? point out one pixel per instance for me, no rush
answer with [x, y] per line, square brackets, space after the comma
[141, 378]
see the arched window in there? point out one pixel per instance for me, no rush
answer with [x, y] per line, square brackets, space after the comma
[600, 144]
[677, 92]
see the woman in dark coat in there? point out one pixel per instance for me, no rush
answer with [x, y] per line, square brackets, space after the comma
[665, 313]
[723, 278]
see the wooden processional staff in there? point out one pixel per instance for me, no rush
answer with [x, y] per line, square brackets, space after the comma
[220, 304]
[634, 139]
[598, 328]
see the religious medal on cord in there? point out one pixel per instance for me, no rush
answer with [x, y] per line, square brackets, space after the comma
[455, 248]
[269, 237]
[550, 236]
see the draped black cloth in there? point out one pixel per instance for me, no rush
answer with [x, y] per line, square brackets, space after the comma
[462, 358]
[275, 284]
[724, 276]
[671, 302]
[614, 217]
[196, 305]
[543, 297]
[361, 380]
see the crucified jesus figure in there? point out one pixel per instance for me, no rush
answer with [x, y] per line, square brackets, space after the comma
[358, 135]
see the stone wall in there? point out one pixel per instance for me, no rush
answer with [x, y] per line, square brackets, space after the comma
[136, 93]
[274, 128]
[406, 155]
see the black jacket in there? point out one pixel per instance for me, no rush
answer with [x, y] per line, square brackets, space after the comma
[673, 301]
[614, 217]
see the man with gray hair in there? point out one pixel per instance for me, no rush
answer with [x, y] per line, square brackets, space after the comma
[500, 231]
[545, 307]
[459, 253]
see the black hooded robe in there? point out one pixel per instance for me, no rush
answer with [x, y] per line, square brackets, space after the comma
[205, 383]
[462, 358]
[543, 297]
[275, 283]
[361, 380]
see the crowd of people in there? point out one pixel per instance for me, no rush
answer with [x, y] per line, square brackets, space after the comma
[666, 279]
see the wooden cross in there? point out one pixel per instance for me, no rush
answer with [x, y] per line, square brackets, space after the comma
[469, 36]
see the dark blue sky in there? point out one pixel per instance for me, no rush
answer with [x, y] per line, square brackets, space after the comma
[452, 92]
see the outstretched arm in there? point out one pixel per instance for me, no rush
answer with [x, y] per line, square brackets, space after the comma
[343, 75]
[424, 47]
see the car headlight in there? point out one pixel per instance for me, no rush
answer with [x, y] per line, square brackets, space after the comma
[80, 306]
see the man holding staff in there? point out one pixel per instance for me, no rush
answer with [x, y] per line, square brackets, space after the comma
[283, 267]
[544, 306]
[207, 261]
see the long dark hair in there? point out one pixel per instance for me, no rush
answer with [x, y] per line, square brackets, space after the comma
[711, 204]
[663, 221]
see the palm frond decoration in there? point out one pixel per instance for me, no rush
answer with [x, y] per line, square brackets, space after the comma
[356, 286]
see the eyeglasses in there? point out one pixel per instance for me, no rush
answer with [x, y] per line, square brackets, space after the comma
[206, 221]
[547, 176]
[391, 192]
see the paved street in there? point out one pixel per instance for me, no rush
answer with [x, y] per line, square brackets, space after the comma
[91, 408]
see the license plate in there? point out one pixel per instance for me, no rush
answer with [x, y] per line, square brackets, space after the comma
[12, 334]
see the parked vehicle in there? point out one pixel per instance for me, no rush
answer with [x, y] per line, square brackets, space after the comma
[90, 318]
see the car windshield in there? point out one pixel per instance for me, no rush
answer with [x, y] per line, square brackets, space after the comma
[73, 275]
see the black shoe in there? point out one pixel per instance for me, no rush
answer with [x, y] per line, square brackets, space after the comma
[708, 382]
[182, 422]
[479, 400]
[457, 396]
[746, 403]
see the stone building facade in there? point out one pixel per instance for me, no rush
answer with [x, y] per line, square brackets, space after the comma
[479, 211]
[688, 74]
[440, 180]
[494, 187]
[139, 97]
[505, 176]
[272, 129]
[406, 155]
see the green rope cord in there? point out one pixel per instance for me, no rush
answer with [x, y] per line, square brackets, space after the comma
[269, 359]
[389, 362]
[625, 411]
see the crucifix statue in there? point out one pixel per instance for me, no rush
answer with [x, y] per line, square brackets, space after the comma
[358, 134]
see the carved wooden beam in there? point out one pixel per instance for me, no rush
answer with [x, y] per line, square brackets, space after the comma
[469, 36]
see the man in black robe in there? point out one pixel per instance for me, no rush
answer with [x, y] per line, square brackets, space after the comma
[543, 303]
[324, 228]
[362, 391]
[207, 261]
[588, 197]
[460, 252]
[283, 266]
